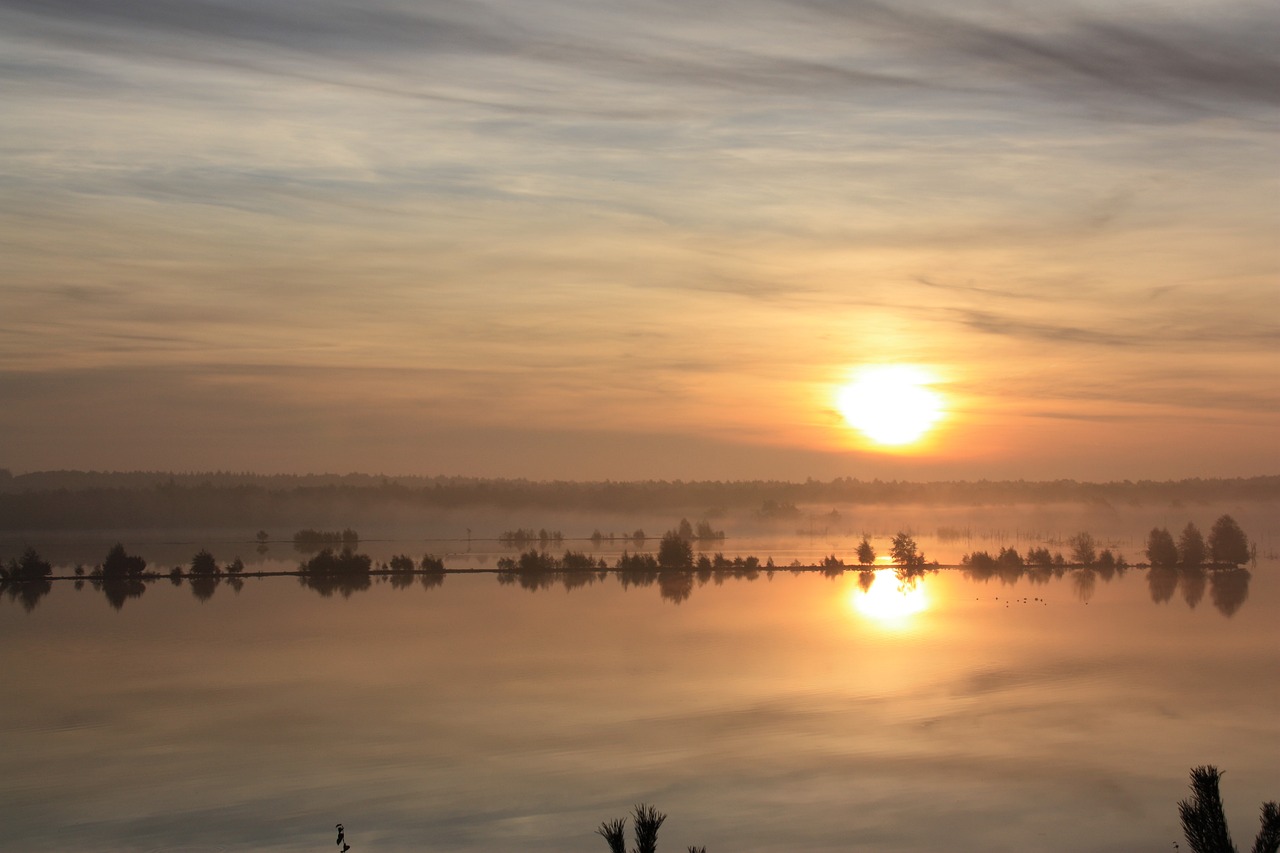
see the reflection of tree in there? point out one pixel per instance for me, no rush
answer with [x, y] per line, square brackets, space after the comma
[1084, 581]
[1036, 575]
[1162, 581]
[1193, 583]
[865, 579]
[119, 590]
[909, 576]
[637, 577]
[675, 586]
[203, 586]
[327, 585]
[1228, 588]
[28, 592]
[536, 581]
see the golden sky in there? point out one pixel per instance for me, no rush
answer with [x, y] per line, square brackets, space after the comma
[579, 240]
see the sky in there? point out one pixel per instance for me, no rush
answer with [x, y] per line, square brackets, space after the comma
[590, 239]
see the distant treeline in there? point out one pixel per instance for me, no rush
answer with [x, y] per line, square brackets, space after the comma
[75, 499]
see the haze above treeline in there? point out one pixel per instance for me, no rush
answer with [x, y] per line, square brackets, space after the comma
[85, 499]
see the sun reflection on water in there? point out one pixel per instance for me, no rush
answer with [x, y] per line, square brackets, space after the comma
[888, 600]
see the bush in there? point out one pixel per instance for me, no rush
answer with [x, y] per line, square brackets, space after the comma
[904, 551]
[345, 563]
[1083, 550]
[1039, 557]
[203, 563]
[576, 561]
[121, 564]
[30, 567]
[979, 560]
[1010, 557]
[675, 552]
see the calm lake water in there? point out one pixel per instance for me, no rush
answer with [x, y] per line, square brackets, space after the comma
[797, 712]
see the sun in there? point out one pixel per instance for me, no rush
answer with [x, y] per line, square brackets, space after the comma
[888, 601]
[891, 404]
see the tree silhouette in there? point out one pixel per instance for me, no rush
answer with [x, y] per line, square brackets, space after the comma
[866, 553]
[1083, 549]
[29, 567]
[27, 578]
[1227, 542]
[1161, 550]
[121, 564]
[1191, 550]
[675, 551]
[203, 563]
[904, 551]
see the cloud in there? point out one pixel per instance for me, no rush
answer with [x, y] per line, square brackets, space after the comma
[1178, 62]
[822, 49]
[996, 324]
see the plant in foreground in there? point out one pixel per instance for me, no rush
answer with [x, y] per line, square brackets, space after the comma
[1205, 825]
[647, 819]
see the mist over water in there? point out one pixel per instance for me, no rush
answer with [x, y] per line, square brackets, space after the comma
[763, 710]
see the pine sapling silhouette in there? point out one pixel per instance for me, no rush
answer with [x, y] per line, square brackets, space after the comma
[647, 822]
[613, 832]
[1205, 824]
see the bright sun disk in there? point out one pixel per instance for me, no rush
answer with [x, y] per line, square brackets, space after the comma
[889, 601]
[890, 404]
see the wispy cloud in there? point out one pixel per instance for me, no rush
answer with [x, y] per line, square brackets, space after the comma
[583, 210]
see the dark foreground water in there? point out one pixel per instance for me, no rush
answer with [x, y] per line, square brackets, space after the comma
[797, 712]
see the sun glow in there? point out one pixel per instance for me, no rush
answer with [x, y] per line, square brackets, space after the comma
[892, 405]
[889, 601]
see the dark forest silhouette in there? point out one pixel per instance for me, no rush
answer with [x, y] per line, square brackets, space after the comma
[65, 500]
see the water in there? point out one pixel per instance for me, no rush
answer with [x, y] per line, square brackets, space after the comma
[796, 712]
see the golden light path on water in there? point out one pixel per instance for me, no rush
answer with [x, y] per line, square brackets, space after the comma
[888, 601]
